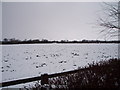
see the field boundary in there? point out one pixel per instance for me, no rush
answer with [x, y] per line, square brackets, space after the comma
[43, 78]
[100, 75]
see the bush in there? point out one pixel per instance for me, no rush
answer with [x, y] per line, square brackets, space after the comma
[104, 74]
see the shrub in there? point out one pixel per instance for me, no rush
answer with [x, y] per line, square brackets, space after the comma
[104, 74]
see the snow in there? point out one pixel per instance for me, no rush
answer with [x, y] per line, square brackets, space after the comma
[30, 60]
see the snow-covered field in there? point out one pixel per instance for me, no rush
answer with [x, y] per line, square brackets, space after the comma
[29, 60]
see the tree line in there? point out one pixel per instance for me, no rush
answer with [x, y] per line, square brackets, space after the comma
[17, 41]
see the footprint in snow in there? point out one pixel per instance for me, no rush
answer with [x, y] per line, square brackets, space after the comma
[26, 58]
[8, 66]
[37, 56]
[64, 69]
[74, 65]
[5, 60]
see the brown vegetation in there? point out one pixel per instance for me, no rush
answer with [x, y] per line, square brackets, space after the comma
[104, 74]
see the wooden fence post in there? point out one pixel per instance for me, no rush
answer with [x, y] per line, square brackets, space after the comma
[44, 79]
[44, 82]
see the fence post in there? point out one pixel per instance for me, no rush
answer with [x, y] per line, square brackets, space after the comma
[44, 82]
[44, 79]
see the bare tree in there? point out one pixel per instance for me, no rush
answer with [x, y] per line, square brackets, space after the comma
[111, 20]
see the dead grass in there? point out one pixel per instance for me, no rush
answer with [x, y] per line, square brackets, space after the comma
[105, 74]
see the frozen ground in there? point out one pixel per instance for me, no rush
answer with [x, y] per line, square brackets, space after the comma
[28, 60]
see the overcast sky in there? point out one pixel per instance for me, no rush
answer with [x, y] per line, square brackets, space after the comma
[50, 20]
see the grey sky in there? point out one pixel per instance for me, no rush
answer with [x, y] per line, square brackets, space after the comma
[50, 20]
